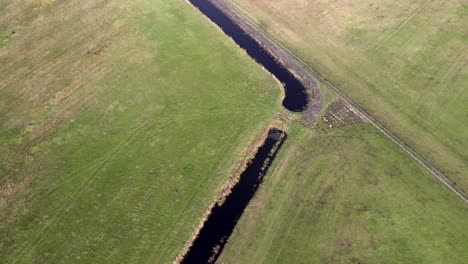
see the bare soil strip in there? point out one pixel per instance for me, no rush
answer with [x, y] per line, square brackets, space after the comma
[306, 72]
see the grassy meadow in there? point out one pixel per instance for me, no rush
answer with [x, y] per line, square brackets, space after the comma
[405, 61]
[349, 195]
[119, 123]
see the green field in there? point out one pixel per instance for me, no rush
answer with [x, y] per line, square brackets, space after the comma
[119, 123]
[349, 195]
[405, 61]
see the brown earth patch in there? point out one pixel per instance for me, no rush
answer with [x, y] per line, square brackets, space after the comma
[8, 191]
[338, 115]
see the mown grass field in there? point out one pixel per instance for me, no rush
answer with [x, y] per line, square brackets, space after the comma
[119, 123]
[405, 61]
[349, 196]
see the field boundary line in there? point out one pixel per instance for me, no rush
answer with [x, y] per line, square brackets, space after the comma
[415, 155]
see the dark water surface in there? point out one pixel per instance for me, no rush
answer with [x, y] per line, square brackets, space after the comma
[296, 96]
[220, 224]
[223, 218]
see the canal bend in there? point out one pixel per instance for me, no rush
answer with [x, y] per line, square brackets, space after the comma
[212, 237]
[296, 98]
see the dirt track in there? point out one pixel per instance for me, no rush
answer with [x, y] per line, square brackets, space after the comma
[308, 75]
[308, 80]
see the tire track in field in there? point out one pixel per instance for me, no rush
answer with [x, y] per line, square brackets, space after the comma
[306, 35]
[29, 76]
[288, 230]
[198, 189]
[322, 190]
[321, 193]
[273, 224]
[448, 70]
[83, 187]
[101, 160]
[309, 35]
[182, 214]
[74, 197]
[322, 15]
[388, 34]
[413, 153]
[80, 170]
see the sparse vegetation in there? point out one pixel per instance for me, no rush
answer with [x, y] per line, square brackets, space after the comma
[4, 37]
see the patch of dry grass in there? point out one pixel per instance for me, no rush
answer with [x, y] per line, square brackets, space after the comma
[405, 61]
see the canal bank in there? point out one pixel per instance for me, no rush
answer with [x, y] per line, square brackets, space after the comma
[307, 80]
[223, 217]
[301, 91]
[301, 95]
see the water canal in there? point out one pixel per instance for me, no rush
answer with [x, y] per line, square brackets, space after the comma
[296, 98]
[223, 218]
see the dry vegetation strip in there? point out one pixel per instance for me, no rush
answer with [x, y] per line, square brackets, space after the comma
[404, 61]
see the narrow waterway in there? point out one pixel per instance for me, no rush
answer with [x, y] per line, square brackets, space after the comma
[223, 218]
[296, 98]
